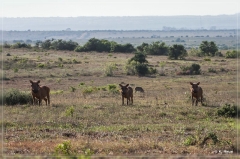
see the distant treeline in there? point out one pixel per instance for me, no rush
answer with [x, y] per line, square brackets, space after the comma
[101, 45]
[93, 44]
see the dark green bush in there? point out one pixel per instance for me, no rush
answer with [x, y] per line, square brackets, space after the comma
[194, 69]
[141, 69]
[228, 111]
[14, 97]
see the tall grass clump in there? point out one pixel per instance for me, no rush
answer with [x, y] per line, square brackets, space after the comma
[14, 97]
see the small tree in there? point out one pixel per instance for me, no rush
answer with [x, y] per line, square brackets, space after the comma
[177, 51]
[208, 48]
[156, 48]
[142, 47]
[138, 64]
[139, 57]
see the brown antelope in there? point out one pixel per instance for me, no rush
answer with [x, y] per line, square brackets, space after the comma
[40, 92]
[139, 89]
[127, 92]
[196, 92]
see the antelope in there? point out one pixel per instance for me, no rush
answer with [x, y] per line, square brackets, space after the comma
[127, 92]
[40, 92]
[139, 89]
[196, 92]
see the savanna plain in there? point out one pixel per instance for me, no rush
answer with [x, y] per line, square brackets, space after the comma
[86, 117]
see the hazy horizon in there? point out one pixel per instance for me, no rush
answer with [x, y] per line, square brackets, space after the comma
[124, 16]
[110, 8]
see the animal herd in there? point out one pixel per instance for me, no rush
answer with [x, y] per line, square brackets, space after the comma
[40, 93]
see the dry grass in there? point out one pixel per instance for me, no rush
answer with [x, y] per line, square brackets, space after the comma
[99, 122]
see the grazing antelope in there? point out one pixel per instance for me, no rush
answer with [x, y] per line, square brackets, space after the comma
[139, 89]
[196, 92]
[40, 92]
[127, 92]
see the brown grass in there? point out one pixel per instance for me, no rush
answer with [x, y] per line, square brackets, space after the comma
[158, 123]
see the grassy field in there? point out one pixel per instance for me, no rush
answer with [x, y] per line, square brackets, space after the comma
[86, 117]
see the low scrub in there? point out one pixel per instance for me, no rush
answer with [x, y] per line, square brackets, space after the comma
[14, 97]
[194, 69]
[232, 54]
[109, 68]
[228, 111]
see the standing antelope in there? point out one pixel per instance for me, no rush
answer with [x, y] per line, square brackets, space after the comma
[40, 92]
[127, 92]
[196, 92]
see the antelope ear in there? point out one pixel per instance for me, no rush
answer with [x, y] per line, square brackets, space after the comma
[191, 83]
[30, 81]
[198, 83]
[120, 85]
[127, 85]
[38, 81]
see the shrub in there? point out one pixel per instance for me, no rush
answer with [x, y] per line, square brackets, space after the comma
[219, 54]
[195, 52]
[232, 54]
[152, 70]
[112, 87]
[141, 69]
[207, 59]
[109, 68]
[194, 69]
[14, 97]
[212, 70]
[130, 68]
[41, 65]
[81, 84]
[190, 141]
[177, 52]
[20, 45]
[228, 111]
[64, 148]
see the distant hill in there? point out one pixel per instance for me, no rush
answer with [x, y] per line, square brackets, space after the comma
[121, 23]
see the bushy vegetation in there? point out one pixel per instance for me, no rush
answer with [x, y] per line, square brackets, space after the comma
[93, 114]
[14, 97]
[195, 52]
[58, 44]
[109, 68]
[155, 48]
[194, 69]
[228, 111]
[208, 48]
[137, 65]
[63, 148]
[105, 46]
[177, 52]
[232, 54]
[17, 45]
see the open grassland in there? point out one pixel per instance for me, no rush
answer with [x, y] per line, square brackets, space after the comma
[87, 114]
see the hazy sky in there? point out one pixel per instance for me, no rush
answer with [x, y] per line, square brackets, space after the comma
[74, 8]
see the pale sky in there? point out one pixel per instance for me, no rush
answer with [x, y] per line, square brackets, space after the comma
[75, 8]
